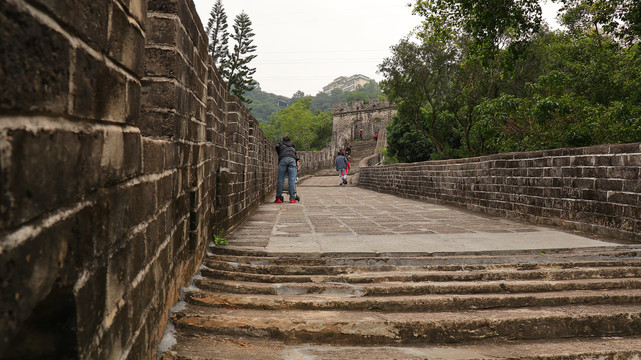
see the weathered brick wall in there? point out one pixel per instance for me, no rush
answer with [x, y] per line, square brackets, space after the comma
[346, 120]
[312, 161]
[120, 155]
[593, 189]
[371, 117]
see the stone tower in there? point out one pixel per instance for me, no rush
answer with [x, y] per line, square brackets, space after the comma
[372, 117]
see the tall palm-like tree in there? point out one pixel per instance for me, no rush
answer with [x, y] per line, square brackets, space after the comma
[235, 69]
[217, 33]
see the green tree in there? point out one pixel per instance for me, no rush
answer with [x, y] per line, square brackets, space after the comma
[235, 69]
[584, 95]
[405, 143]
[308, 131]
[632, 31]
[264, 104]
[357, 96]
[418, 78]
[372, 90]
[323, 128]
[618, 18]
[298, 95]
[492, 24]
[484, 78]
[217, 33]
[322, 101]
[325, 102]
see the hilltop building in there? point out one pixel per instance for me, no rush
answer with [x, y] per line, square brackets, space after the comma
[345, 83]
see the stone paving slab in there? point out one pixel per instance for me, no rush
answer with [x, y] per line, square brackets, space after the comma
[334, 218]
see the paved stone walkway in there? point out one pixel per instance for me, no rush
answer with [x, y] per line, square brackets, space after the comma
[334, 218]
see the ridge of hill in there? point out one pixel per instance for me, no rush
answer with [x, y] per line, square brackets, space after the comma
[264, 104]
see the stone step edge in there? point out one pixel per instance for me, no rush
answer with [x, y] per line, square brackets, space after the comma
[360, 327]
[420, 303]
[354, 269]
[243, 251]
[401, 288]
[242, 348]
[531, 258]
[429, 276]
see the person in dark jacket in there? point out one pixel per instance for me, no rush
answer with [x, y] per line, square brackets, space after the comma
[287, 164]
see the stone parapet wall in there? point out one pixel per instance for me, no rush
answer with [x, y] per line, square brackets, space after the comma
[121, 154]
[312, 161]
[593, 189]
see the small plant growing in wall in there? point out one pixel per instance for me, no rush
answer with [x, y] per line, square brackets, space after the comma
[219, 240]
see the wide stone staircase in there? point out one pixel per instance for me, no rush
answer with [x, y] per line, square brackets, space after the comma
[515, 304]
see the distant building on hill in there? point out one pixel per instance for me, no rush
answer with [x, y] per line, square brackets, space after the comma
[345, 83]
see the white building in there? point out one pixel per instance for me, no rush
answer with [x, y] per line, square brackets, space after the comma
[347, 83]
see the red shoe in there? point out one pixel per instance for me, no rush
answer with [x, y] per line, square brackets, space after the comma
[278, 200]
[292, 201]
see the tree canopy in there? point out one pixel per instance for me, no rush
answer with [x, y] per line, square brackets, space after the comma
[308, 130]
[217, 32]
[487, 77]
[236, 68]
[620, 19]
[264, 104]
[492, 24]
[233, 66]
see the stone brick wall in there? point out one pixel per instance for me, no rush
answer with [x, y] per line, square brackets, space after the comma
[347, 119]
[121, 154]
[371, 117]
[312, 161]
[593, 189]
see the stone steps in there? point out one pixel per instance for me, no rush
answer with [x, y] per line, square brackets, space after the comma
[377, 328]
[433, 276]
[211, 346]
[358, 269]
[356, 260]
[419, 303]
[404, 289]
[240, 255]
[553, 304]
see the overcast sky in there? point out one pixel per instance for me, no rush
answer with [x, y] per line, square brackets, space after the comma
[305, 44]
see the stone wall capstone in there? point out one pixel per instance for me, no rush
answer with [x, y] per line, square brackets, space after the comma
[121, 154]
[593, 189]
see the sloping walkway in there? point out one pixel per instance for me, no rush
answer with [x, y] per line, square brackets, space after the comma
[334, 218]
